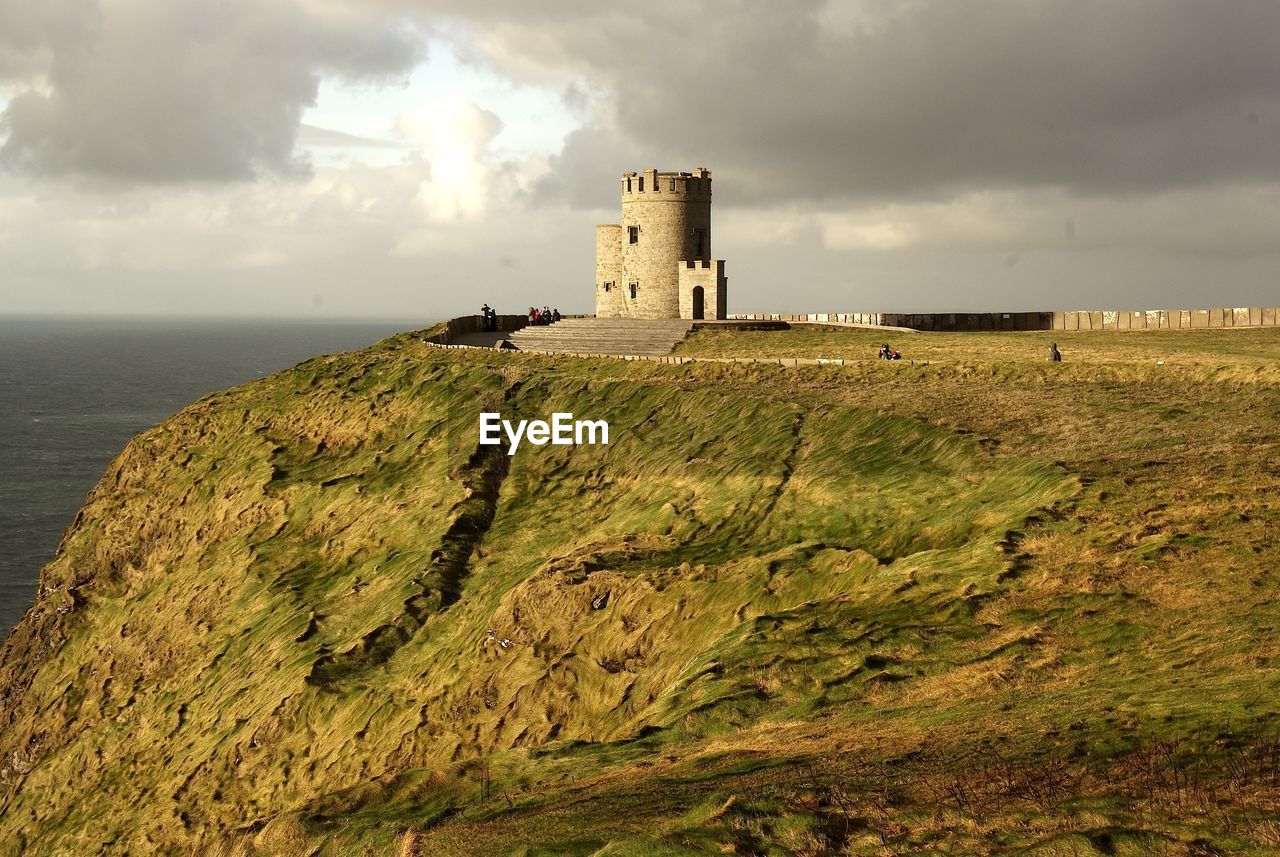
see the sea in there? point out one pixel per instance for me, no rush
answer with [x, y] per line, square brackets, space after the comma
[74, 390]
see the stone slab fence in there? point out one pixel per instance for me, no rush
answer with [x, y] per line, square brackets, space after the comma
[1167, 319]
[857, 319]
[1066, 321]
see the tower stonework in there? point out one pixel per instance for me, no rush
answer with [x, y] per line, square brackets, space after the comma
[657, 262]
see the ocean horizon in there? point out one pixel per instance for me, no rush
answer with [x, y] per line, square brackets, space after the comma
[75, 389]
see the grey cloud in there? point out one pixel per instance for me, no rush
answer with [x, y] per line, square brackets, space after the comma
[178, 90]
[927, 99]
[29, 29]
[585, 173]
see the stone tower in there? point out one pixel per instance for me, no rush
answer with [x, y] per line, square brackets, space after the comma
[657, 262]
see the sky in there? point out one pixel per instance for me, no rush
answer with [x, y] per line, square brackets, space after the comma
[415, 158]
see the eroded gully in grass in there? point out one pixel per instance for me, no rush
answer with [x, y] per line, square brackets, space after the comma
[441, 584]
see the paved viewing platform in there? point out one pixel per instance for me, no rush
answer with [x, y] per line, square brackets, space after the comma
[619, 336]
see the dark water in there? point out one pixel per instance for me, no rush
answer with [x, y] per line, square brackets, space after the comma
[72, 392]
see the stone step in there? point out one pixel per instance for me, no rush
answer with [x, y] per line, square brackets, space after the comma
[647, 337]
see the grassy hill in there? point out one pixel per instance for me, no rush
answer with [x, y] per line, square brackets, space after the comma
[969, 602]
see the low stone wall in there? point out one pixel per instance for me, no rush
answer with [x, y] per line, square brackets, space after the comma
[456, 327]
[1065, 321]
[957, 321]
[863, 319]
[970, 321]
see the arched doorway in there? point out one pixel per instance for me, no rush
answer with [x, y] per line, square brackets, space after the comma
[697, 302]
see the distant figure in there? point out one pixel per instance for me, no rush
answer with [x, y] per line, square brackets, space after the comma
[555, 315]
[533, 316]
[1055, 356]
[486, 312]
[887, 353]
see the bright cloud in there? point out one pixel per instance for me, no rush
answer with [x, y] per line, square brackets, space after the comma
[453, 135]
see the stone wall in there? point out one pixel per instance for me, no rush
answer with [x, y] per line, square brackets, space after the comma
[455, 327]
[1065, 321]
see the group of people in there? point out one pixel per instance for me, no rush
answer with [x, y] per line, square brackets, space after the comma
[546, 315]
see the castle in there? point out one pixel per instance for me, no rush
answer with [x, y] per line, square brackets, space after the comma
[657, 262]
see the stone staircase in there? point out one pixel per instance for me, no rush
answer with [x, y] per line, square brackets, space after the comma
[647, 337]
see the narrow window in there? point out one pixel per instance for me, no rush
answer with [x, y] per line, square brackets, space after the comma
[633, 234]
[700, 241]
[641, 180]
[673, 185]
[628, 185]
[634, 287]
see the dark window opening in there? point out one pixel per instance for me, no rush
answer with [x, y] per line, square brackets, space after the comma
[641, 180]
[634, 288]
[633, 234]
[673, 185]
[700, 242]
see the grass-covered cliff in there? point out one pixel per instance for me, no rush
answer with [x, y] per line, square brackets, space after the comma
[982, 605]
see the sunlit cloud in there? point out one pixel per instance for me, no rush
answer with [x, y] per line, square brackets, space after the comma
[453, 135]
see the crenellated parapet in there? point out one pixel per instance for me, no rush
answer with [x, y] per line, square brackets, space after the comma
[655, 186]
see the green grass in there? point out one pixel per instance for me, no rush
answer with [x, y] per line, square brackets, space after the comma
[1234, 348]
[973, 603]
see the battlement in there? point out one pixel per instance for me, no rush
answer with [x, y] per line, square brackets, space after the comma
[710, 264]
[652, 185]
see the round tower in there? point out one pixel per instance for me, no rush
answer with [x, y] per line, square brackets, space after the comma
[666, 221]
